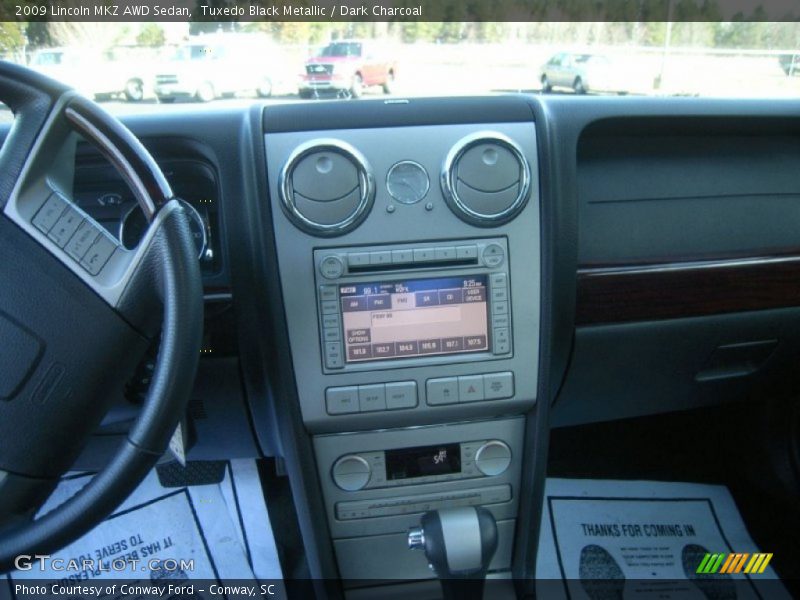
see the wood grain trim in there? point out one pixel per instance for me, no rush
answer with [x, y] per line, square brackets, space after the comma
[674, 290]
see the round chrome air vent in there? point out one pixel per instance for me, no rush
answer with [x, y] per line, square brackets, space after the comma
[326, 187]
[486, 179]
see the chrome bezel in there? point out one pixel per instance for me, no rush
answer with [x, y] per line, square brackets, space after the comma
[416, 164]
[448, 180]
[192, 213]
[366, 183]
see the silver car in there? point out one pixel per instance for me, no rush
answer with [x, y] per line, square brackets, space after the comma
[581, 73]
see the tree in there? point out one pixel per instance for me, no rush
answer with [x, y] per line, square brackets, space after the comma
[151, 34]
[12, 37]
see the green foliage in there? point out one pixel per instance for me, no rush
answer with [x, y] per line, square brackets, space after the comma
[151, 34]
[12, 37]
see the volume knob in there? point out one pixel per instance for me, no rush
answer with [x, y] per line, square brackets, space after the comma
[493, 458]
[351, 473]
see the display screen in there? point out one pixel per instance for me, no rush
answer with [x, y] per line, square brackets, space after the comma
[423, 461]
[419, 317]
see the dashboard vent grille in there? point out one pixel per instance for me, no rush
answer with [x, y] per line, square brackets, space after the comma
[327, 187]
[486, 179]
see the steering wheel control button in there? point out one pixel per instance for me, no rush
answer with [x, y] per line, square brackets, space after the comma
[401, 394]
[372, 397]
[66, 225]
[331, 267]
[351, 473]
[470, 388]
[49, 213]
[497, 386]
[342, 400]
[333, 355]
[441, 391]
[493, 458]
[80, 243]
[493, 255]
[98, 255]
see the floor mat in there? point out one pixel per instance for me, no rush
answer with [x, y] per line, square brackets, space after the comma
[609, 540]
[220, 531]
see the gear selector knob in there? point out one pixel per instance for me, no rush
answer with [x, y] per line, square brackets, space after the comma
[459, 544]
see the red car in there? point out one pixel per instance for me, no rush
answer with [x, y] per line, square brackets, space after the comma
[347, 67]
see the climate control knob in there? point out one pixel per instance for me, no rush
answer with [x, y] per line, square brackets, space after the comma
[351, 473]
[493, 458]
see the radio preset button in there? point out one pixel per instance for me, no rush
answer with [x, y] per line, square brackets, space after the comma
[424, 254]
[401, 257]
[341, 400]
[351, 473]
[358, 259]
[470, 388]
[445, 253]
[498, 385]
[380, 258]
[466, 252]
[442, 391]
[331, 267]
[372, 397]
[401, 394]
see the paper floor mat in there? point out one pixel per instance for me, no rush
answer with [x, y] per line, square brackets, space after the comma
[223, 528]
[647, 539]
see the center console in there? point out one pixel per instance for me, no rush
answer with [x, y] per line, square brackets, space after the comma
[410, 271]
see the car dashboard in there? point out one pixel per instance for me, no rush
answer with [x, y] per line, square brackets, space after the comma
[420, 289]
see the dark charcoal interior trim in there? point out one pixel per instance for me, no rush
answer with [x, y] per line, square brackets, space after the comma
[674, 290]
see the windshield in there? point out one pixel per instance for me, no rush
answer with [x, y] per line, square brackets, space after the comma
[342, 49]
[146, 67]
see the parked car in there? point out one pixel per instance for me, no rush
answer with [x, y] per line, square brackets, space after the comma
[582, 73]
[348, 67]
[790, 63]
[116, 71]
[218, 65]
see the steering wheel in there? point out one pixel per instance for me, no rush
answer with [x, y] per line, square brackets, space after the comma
[77, 313]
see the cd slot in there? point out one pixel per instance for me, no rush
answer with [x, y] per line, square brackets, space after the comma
[438, 264]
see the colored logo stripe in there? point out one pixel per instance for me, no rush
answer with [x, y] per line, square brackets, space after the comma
[733, 563]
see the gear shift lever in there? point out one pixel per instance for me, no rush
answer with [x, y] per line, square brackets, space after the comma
[459, 544]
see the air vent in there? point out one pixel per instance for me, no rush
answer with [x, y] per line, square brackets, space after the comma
[486, 179]
[326, 187]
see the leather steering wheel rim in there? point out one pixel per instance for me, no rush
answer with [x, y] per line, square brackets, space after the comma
[163, 276]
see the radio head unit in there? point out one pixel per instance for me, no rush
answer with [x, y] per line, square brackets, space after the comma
[376, 311]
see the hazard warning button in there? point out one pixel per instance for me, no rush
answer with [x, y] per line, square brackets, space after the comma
[470, 388]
